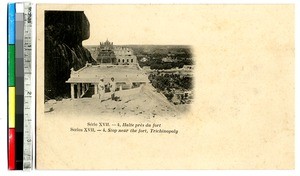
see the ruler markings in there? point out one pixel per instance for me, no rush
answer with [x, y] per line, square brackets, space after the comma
[27, 143]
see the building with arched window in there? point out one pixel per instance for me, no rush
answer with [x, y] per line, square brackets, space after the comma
[125, 56]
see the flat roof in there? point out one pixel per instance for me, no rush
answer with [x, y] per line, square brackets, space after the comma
[121, 73]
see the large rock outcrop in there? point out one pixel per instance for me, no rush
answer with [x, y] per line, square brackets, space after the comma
[64, 33]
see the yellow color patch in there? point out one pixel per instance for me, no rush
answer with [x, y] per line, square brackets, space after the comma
[11, 107]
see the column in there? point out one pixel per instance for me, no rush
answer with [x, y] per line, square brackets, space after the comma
[78, 90]
[95, 89]
[83, 88]
[72, 91]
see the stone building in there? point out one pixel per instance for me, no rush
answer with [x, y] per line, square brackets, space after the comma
[112, 61]
[125, 56]
[86, 78]
[115, 55]
[106, 53]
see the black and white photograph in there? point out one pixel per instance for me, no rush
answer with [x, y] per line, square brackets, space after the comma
[147, 80]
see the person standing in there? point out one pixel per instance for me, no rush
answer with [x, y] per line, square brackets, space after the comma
[112, 88]
[101, 89]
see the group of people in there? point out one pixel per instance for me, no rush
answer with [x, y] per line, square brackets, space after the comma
[111, 86]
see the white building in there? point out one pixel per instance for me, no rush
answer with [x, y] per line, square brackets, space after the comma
[126, 77]
[125, 56]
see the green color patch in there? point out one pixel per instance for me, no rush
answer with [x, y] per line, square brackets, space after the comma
[11, 66]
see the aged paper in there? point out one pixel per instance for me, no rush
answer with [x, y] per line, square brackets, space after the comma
[242, 113]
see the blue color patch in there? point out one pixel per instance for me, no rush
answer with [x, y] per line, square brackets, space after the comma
[11, 22]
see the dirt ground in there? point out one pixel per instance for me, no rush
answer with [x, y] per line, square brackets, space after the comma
[144, 102]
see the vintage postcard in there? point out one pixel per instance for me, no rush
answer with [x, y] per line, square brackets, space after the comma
[165, 87]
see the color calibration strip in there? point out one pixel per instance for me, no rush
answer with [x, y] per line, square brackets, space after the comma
[11, 88]
[19, 87]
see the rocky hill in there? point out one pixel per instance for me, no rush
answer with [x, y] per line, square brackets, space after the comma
[64, 33]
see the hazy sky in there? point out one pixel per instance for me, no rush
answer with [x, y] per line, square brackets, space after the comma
[125, 24]
[201, 26]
